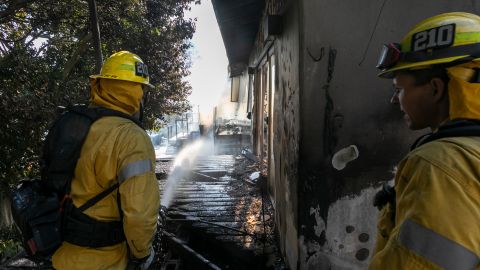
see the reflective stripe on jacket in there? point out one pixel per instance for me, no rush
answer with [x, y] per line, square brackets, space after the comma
[115, 149]
[438, 209]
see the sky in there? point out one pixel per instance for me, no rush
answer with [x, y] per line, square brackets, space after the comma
[209, 72]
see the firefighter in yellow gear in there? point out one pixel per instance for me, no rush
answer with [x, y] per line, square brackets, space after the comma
[433, 220]
[116, 150]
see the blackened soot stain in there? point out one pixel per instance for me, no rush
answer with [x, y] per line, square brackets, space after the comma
[362, 254]
[363, 237]
[323, 238]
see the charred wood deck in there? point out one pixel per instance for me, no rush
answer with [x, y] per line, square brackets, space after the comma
[223, 218]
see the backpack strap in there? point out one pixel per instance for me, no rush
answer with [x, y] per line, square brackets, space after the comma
[94, 113]
[80, 229]
[460, 128]
[97, 198]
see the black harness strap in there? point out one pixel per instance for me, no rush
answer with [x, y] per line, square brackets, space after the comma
[459, 128]
[98, 112]
[80, 229]
[97, 198]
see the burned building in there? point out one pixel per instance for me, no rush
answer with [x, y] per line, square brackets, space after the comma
[308, 71]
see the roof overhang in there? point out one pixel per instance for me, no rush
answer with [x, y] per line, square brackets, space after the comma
[239, 21]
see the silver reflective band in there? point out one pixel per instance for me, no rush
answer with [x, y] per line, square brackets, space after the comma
[436, 248]
[135, 168]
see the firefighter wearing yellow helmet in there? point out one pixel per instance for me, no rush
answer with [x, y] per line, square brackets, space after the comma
[116, 150]
[430, 220]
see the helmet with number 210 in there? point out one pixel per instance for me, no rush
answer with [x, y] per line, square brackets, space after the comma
[448, 39]
[125, 66]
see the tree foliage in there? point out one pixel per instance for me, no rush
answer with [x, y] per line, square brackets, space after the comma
[46, 56]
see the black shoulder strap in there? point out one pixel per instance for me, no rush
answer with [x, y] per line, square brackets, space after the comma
[97, 198]
[98, 112]
[94, 114]
[460, 128]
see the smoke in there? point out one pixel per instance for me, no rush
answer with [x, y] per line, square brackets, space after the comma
[184, 163]
[226, 109]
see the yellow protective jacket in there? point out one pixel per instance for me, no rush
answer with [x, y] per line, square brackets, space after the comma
[437, 221]
[115, 150]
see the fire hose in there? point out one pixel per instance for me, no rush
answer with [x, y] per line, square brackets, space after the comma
[181, 243]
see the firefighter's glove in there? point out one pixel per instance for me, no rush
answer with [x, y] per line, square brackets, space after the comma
[162, 215]
[141, 264]
[384, 196]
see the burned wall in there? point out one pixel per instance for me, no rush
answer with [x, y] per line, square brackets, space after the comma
[343, 103]
[286, 131]
[285, 125]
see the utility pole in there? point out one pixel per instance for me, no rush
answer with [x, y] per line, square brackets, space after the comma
[92, 6]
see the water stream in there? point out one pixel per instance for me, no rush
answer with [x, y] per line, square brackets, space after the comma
[184, 163]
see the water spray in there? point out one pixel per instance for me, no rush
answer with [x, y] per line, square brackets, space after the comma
[183, 164]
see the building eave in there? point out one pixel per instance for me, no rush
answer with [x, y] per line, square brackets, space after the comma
[239, 22]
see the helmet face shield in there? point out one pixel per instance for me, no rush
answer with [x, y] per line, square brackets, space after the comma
[389, 56]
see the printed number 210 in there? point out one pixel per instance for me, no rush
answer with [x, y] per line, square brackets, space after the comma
[433, 38]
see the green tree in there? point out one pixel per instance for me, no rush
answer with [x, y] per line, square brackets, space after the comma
[46, 56]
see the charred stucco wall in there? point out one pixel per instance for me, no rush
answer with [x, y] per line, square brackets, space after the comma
[286, 126]
[343, 103]
[286, 135]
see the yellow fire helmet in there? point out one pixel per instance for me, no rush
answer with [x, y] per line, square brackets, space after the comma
[125, 66]
[448, 39]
